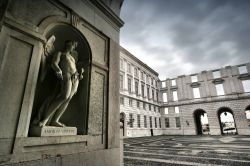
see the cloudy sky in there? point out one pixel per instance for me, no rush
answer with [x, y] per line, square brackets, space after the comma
[176, 37]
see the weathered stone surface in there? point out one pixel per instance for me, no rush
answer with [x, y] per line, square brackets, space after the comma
[52, 131]
[25, 26]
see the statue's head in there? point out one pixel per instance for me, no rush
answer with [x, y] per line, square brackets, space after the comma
[70, 45]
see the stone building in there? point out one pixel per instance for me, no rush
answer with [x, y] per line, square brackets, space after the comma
[139, 106]
[210, 102]
[48, 44]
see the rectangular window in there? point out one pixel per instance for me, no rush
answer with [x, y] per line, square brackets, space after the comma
[142, 76]
[196, 92]
[138, 121]
[216, 74]
[150, 122]
[178, 122]
[130, 102]
[148, 91]
[147, 79]
[138, 104]
[154, 109]
[121, 82]
[136, 88]
[176, 110]
[121, 100]
[142, 89]
[128, 67]
[167, 123]
[194, 78]
[152, 81]
[242, 69]
[160, 122]
[219, 89]
[129, 85]
[163, 84]
[144, 106]
[121, 64]
[165, 111]
[175, 96]
[153, 94]
[135, 72]
[164, 96]
[131, 120]
[246, 85]
[157, 96]
[149, 107]
[145, 121]
[155, 122]
[173, 82]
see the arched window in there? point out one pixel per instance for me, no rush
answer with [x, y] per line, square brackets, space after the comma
[247, 112]
[201, 121]
[227, 122]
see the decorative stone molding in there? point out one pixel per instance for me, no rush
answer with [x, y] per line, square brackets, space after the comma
[245, 76]
[218, 80]
[173, 87]
[75, 19]
[195, 84]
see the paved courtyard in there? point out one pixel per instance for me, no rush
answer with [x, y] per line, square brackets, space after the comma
[187, 150]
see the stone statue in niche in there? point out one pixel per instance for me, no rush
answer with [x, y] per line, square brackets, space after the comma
[65, 64]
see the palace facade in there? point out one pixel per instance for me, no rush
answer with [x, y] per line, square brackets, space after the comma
[215, 102]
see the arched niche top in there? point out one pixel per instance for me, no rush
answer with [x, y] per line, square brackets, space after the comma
[49, 22]
[64, 32]
[248, 107]
[199, 111]
[225, 109]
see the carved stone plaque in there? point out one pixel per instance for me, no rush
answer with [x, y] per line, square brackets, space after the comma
[52, 131]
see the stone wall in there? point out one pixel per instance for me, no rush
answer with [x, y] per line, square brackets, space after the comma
[234, 98]
[25, 25]
[187, 114]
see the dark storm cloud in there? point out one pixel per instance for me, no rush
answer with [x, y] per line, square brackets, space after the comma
[178, 37]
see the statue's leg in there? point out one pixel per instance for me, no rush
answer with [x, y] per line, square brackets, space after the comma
[57, 102]
[63, 107]
[59, 113]
[46, 104]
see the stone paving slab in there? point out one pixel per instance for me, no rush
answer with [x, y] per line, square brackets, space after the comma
[187, 150]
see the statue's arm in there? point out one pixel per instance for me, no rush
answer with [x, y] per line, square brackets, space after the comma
[55, 64]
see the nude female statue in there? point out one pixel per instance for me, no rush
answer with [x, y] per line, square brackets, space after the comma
[64, 64]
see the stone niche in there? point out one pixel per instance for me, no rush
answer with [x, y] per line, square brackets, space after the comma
[77, 111]
[25, 28]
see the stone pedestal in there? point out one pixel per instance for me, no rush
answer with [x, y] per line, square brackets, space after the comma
[52, 131]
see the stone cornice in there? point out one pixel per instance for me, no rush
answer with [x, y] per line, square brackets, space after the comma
[225, 98]
[127, 53]
[107, 11]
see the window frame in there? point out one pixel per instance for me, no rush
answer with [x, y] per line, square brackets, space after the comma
[177, 122]
[218, 90]
[196, 93]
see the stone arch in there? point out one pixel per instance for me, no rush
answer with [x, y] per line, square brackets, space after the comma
[201, 127]
[123, 124]
[247, 113]
[77, 111]
[227, 125]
